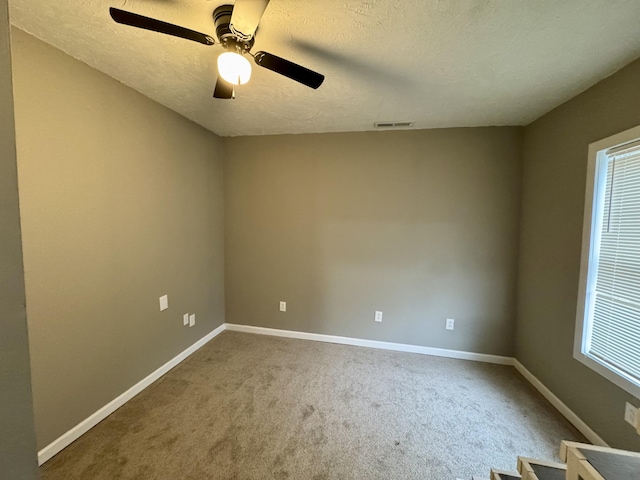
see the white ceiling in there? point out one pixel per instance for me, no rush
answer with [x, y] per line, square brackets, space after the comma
[439, 63]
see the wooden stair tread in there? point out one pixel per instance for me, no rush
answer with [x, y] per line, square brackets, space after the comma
[612, 465]
[532, 469]
[543, 472]
[504, 475]
[581, 462]
[592, 462]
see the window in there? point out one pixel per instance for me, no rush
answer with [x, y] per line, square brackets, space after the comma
[608, 323]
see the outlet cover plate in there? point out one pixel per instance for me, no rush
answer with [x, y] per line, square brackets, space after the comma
[164, 302]
[185, 319]
[450, 324]
[283, 306]
[192, 319]
[378, 316]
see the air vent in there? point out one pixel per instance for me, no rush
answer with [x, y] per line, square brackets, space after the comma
[392, 124]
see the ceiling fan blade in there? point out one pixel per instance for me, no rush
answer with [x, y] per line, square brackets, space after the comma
[135, 20]
[246, 16]
[289, 69]
[223, 89]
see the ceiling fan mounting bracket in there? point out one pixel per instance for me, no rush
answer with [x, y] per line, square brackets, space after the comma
[229, 38]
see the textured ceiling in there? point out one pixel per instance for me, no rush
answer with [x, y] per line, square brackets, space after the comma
[438, 63]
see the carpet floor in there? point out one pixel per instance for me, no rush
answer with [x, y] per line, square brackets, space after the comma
[255, 407]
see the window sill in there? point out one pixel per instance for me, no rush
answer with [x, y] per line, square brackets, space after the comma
[617, 378]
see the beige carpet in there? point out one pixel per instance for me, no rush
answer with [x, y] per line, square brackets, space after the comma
[255, 407]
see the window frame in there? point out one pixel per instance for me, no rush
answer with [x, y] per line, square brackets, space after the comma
[593, 205]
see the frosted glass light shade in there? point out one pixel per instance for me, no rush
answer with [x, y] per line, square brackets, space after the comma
[234, 68]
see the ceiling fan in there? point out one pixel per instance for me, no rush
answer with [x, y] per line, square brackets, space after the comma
[236, 27]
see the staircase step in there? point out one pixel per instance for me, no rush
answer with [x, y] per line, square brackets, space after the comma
[532, 469]
[504, 475]
[589, 462]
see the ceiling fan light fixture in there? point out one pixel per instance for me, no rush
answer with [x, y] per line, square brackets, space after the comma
[236, 26]
[234, 68]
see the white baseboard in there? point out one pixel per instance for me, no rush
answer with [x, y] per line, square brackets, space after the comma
[398, 347]
[66, 439]
[60, 443]
[569, 414]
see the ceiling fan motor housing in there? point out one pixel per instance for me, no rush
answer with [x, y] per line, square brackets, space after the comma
[228, 38]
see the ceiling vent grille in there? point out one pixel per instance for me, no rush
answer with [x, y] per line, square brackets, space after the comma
[392, 124]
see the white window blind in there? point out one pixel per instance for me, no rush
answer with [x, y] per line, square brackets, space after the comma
[613, 324]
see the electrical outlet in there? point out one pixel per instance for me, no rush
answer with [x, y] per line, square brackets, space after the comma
[378, 316]
[164, 302]
[631, 415]
[283, 306]
[450, 322]
[192, 319]
[185, 319]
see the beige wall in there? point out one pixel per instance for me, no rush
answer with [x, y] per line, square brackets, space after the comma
[554, 176]
[17, 437]
[422, 225]
[121, 202]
